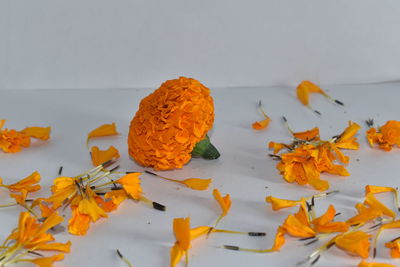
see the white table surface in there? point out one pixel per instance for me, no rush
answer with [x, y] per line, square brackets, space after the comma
[244, 170]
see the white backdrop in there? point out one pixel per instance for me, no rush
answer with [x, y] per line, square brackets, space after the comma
[132, 43]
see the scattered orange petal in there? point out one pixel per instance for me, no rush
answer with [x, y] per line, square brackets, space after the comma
[103, 130]
[260, 125]
[278, 203]
[224, 202]
[312, 134]
[101, 156]
[42, 133]
[356, 243]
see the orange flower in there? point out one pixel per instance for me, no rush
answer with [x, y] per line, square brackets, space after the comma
[356, 242]
[101, 156]
[374, 264]
[386, 137]
[32, 235]
[169, 124]
[278, 203]
[103, 130]
[29, 184]
[42, 133]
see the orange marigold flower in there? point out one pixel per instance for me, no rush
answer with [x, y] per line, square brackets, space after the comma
[30, 184]
[356, 242]
[101, 156]
[374, 264]
[386, 136]
[169, 124]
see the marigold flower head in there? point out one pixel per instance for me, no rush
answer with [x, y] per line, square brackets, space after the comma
[386, 137]
[169, 124]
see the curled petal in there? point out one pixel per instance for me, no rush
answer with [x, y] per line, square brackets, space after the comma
[260, 125]
[278, 203]
[103, 130]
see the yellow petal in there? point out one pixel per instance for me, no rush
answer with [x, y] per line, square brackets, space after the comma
[131, 184]
[278, 203]
[79, 223]
[42, 133]
[224, 202]
[374, 264]
[296, 228]
[347, 139]
[176, 254]
[260, 125]
[378, 189]
[376, 204]
[101, 156]
[197, 183]
[276, 146]
[312, 134]
[356, 242]
[29, 183]
[181, 227]
[103, 130]
[46, 261]
[304, 89]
